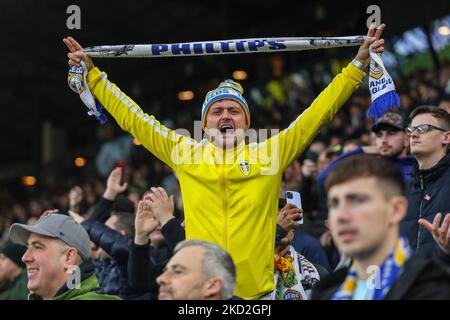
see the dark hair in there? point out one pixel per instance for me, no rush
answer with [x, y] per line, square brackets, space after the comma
[123, 204]
[310, 155]
[445, 97]
[366, 165]
[441, 115]
[125, 222]
[357, 142]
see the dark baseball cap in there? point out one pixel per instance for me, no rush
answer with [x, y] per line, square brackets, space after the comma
[55, 226]
[390, 120]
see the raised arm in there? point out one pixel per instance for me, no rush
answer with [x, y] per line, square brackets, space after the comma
[158, 139]
[297, 137]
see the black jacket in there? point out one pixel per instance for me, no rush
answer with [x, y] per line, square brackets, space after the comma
[429, 194]
[112, 273]
[147, 263]
[173, 232]
[423, 278]
[102, 210]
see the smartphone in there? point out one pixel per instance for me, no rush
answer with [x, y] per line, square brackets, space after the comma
[294, 198]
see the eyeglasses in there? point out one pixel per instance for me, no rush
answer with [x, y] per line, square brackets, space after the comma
[423, 128]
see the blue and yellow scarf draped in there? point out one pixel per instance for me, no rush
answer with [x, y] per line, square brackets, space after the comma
[77, 80]
[381, 87]
[389, 271]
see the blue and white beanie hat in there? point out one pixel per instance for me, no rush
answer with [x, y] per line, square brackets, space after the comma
[228, 89]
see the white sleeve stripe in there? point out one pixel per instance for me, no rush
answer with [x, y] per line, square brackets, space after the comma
[124, 100]
[294, 122]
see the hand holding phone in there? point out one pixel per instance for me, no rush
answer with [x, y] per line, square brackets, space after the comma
[294, 198]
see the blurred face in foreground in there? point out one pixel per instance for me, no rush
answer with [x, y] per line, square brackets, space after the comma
[362, 217]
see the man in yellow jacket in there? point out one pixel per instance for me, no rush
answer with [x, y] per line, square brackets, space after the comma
[230, 188]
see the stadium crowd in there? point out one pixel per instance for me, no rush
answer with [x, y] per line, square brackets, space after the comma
[372, 194]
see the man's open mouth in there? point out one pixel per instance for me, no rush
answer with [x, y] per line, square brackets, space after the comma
[226, 128]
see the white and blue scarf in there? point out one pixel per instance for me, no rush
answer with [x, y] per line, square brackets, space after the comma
[77, 80]
[381, 87]
[389, 270]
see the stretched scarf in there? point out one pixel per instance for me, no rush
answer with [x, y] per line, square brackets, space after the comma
[214, 47]
[294, 276]
[390, 269]
[77, 75]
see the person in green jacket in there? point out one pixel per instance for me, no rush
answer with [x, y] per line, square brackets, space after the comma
[58, 259]
[13, 272]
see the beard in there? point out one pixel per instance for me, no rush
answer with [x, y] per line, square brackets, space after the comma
[393, 153]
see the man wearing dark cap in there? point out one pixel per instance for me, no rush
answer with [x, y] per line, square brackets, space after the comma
[13, 272]
[58, 259]
[390, 141]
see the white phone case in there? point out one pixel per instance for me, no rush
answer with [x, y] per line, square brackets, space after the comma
[294, 198]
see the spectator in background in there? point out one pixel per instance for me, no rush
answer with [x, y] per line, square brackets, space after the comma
[111, 230]
[305, 244]
[445, 103]
[407, 103]
[172, 186]
[198, 270]
[390, 141]
[428, 196]
[317, 146]
[428, 93]
[58, 259]
[111, 244]
[13, 272]
[326, 157]
[75, 199]
[113, 152]
[162, 207]
[310, 194]
[156, 226]
[111, 200]
[366, 196]
[295, 275]
[292, 176]
[304, 240]
[350, 145]
[137, 185]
